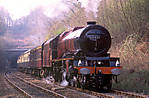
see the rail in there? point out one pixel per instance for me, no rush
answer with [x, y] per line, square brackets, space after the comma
[105, 95]
[44, 89]
[16, 87]
[92, 92]
[129, 94]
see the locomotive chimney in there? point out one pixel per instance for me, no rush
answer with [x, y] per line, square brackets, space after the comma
[90, 23]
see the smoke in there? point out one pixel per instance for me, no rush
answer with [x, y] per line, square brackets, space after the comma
[31, 29]
[26, 32]
[20, 8]
[31, 19]
[49, 80]
[91, 6]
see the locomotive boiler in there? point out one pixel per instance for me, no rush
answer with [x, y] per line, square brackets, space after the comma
[81, 54]
[93, 41]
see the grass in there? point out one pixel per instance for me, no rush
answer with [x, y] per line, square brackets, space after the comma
[133, 81]
[134, 55]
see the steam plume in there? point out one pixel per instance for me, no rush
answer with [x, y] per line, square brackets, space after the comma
[90, 7]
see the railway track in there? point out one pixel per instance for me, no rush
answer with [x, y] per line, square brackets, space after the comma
[16, 87]
[129, 94]
[6, 90]
[100, 95]
[113, 94]
[29, 89]
[72, 91]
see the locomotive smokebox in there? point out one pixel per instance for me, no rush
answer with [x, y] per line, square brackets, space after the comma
[91, 23]
[95, 40]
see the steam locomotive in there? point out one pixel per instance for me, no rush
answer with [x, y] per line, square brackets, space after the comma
[80, 54]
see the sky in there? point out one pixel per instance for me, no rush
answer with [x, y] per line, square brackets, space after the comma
[51, 8]
[20, 8]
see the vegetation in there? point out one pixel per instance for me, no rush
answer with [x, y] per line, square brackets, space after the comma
[126, 20]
